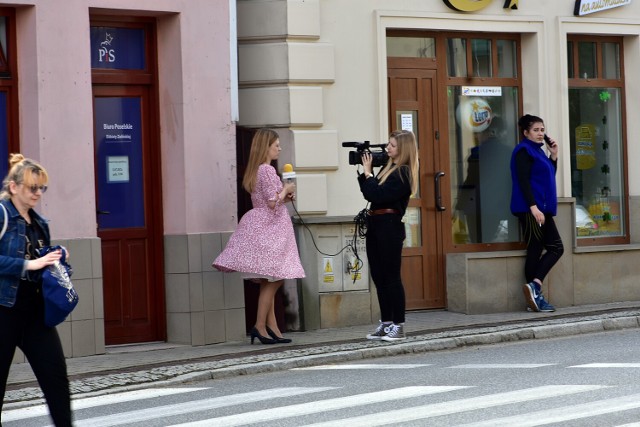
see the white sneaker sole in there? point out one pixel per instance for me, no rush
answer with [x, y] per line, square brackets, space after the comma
[528, 295]
[389, 339]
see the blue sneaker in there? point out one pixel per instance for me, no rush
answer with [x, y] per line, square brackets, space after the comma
[543, 305]
[531, 294]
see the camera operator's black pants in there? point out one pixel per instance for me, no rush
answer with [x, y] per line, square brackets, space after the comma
[385, 236]
[25, 328]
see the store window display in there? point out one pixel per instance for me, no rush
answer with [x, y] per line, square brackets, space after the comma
[597, 139]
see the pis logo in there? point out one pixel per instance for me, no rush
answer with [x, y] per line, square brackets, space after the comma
[105, 52]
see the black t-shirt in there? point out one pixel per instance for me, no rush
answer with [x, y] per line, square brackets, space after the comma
[30, 288]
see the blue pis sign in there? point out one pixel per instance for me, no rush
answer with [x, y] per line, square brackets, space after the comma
[118, 48]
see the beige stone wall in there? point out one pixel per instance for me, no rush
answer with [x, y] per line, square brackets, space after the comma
[204, 306]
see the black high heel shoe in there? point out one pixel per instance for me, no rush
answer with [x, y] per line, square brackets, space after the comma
[280, 340]
[264, 340]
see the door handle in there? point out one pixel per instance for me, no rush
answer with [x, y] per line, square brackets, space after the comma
[99, 212]
[439, 206]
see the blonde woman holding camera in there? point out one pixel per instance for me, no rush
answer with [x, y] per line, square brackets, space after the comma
[389, 194]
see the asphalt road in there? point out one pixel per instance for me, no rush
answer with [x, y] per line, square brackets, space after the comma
[585, 380]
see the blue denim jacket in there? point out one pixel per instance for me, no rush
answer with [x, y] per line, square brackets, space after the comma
[12, 245]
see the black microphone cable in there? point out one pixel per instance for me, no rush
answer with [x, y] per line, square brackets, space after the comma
[360, 230]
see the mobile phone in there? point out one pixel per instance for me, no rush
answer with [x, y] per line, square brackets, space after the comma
[547, 140]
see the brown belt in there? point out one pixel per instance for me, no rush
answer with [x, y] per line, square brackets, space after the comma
[384, 211]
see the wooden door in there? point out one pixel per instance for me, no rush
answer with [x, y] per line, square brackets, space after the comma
[413, 106]
[129, 214]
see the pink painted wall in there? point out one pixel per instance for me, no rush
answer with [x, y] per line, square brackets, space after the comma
[197, 132]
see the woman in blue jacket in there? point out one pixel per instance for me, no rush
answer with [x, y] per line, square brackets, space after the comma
[389, 194]
[21, 303]
[534, 201]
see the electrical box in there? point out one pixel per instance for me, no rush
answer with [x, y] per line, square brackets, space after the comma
[340, 258]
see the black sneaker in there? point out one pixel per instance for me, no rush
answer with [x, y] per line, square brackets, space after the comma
[381, 331]
[396, 333]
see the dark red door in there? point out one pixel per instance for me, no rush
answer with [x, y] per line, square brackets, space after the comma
[128, 215]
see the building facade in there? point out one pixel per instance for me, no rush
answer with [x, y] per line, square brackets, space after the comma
[133, 110]
[131, 107]
[459, 74]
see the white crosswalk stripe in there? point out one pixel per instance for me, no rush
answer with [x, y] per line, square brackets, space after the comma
[91, 402]
[319, 406]
[463, 406]
[195, 406]
[607, 365]
[456, 406]
[566, 413]
[360, 366]
[501, 366]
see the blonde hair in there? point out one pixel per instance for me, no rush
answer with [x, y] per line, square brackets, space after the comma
[407, 156]
[260, 144]
[23, 171]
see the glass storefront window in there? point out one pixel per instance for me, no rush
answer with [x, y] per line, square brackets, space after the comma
[611, 60]
[412, 227]
[411, 47]
[457, 57]
[587, 60]
[9, 121]
[597, 140]
[3, 36]
[4, 133]
[482, 134]
[481, 57]
[507, 60]
[570, 62]
[408, 120]
[596, 161]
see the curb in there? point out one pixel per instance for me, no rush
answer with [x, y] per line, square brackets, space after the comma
[421, 344]
[330, 353]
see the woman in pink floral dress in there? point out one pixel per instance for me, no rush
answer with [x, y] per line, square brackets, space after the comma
[263, 247]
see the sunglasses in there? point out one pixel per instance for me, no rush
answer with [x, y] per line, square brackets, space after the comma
[34, 188]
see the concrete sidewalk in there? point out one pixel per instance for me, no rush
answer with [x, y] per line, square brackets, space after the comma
[137, 366]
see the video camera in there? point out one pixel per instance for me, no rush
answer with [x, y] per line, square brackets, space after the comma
[379, 158]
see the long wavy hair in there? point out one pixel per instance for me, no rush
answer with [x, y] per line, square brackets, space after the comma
[407, 156]
[23, 171]
[262, 140]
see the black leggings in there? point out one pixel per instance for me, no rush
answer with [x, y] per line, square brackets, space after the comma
[41, 346]
[385, 236]
[538, 238]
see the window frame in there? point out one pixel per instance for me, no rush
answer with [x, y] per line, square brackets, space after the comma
[9, 81]
[574, 81]
[472, 80]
